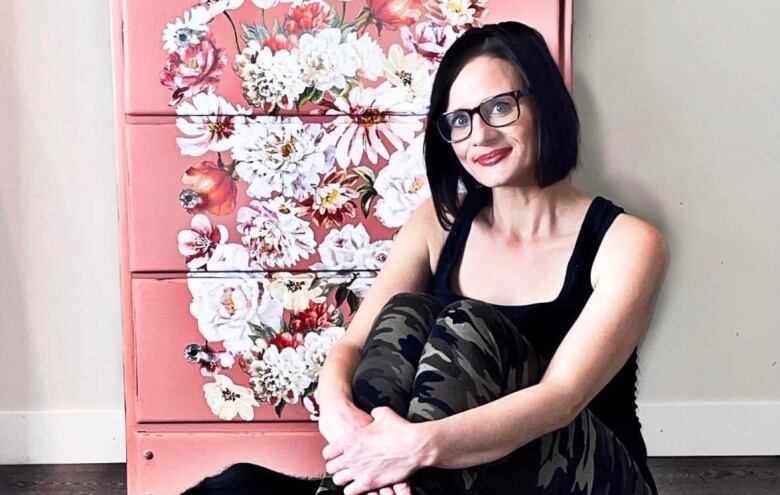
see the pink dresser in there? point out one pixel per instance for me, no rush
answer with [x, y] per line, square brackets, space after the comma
[267, 152]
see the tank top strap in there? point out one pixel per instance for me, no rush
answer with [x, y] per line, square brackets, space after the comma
[600, 217]
[471, 204]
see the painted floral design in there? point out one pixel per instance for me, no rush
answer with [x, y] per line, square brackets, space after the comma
[271, 193]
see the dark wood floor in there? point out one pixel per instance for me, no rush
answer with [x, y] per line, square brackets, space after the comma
[674, 475]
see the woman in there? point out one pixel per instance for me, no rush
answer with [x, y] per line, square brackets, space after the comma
[462, 371]
[496, 350]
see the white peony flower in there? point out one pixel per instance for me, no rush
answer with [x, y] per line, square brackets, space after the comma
[274, 233]
[295, 291]
[224, 307]
[270, 79]
[325, 60]
[284, 156]
[186, 32]
[339, 249]
[227, 399]
[211, 124]
[280, 375]
[372, 257]
[370, 54]
[401, 185]
[198, 243]
[409, 72]
[370, 114]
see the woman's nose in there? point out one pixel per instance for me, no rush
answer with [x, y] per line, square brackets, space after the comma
[480, 131]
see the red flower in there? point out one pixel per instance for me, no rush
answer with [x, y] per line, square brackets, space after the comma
[308, 17]
[280, 41]
[315, 317]
[193, 70]
[394, 14]
[214, 186]
[287, 339]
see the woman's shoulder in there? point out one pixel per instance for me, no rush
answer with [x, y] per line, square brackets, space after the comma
[631, 239]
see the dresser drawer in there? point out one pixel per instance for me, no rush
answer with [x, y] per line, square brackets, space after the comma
[229, 348]
[177, 48]
[169, 463]
[298, 193]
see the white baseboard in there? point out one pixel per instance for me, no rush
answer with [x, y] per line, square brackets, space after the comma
[62, 437]
[728, 428]
[723, 428]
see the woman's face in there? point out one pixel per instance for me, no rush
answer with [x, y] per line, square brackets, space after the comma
[515, 144]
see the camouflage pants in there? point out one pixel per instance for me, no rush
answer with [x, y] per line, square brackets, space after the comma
[427, 362]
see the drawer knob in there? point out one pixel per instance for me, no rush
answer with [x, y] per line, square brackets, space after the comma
[148, 455]
[192, 353]
[189, 199]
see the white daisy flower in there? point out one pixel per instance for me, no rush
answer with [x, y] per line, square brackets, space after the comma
[186, 32]
[401, 185]
[325, 60]
[270, 79]
[274, 233]
[211, 124]
[370, 114]
[410, 73]
[286, 156]
[227, 400]
[295, 291]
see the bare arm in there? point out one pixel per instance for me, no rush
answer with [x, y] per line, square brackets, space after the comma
[406, 269]
[599, 343]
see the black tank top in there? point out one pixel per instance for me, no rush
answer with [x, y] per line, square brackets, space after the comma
[546, 323]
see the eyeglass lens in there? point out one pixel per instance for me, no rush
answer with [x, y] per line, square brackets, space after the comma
[496, 112]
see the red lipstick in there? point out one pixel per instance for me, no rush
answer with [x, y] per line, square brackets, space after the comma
[495, 156]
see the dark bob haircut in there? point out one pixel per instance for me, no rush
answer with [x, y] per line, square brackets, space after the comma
[556, 117]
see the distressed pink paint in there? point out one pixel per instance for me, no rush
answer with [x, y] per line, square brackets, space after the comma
[166, 416]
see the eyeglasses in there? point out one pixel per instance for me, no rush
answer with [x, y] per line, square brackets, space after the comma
[498, 111]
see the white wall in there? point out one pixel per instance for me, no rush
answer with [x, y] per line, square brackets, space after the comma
[680, 125]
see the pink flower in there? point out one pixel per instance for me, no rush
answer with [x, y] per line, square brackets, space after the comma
[393, 14]
[215, 187]
[430, 39]
[193, 70]
[308, 17]
[198, 243]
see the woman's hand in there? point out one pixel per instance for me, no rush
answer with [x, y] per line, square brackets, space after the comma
[381, 454]
[339, 419]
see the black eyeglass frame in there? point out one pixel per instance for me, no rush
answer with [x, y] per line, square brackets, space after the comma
[516, 94]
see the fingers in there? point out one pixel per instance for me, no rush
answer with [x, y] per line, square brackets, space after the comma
[386, 491]
[402, 489]
[343, 477]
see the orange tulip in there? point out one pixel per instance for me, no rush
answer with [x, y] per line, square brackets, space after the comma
[394, 14]
[217, 191]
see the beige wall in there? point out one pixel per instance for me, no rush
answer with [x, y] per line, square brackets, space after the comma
[680, 125]
[680, 110]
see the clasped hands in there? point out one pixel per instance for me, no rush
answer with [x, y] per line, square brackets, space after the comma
[378, 457]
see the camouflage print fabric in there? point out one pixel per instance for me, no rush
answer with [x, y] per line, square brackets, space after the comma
[427, 362]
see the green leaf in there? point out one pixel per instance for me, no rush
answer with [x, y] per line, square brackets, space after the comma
[365, 203]
[255, 32]
[279, 407]
[366, 173]
[354, 301]
[366, 188]
[341, 294]
[277, 27]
